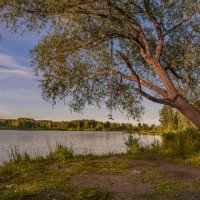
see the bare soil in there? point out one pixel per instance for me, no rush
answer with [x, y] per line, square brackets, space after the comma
[147, 176]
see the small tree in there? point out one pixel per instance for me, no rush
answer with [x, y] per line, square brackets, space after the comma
[173, 120]
[156, 51]
[167, 116]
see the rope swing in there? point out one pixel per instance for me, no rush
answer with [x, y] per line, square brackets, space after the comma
[110, 117]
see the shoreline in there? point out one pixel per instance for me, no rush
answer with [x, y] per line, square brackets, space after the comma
[121, 131]
[60, 175]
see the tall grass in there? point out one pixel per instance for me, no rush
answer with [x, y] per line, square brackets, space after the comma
[61, 153]
[186, 142]
[21, 163]
[135, 145]
[182, 143]
[15, 156]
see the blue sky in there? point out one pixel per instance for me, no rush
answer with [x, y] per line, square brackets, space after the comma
[21, 97]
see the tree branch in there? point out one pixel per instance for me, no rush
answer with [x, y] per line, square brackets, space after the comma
[164, 101]
[126, 60]
[158, 27]
[139, 81]
[173, 72]
[144, 83]
[136, 26]
[139, 89]
[175, 27]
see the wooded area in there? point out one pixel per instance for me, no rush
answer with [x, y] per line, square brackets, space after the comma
[170, 120]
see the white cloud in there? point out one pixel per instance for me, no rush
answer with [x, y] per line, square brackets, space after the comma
[12, 67]
[20, 94]
[5, 73]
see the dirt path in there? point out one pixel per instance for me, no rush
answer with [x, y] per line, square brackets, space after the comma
[147, 176]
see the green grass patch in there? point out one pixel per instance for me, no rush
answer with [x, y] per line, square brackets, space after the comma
[48, 177]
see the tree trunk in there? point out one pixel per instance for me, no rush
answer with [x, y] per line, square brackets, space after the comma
[188, 110]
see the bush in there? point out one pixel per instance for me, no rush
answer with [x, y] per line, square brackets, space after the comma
[61, 153]
[185, 142]
[133, 144]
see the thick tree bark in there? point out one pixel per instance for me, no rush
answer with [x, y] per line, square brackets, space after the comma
[188, 110]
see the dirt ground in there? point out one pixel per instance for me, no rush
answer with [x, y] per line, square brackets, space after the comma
[146, 176]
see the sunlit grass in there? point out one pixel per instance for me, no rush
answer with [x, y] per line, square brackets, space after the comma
[42, 177]
[49, 176]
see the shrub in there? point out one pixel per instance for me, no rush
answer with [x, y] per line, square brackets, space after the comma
[185, 142]
[133, 144]
[61, 153]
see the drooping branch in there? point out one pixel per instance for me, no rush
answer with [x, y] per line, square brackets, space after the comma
[128, 64]
[164, 101]
[110, 17]
[144, 83]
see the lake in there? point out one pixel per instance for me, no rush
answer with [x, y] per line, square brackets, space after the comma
[82, 142]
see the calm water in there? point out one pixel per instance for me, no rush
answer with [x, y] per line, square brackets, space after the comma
[41, 142]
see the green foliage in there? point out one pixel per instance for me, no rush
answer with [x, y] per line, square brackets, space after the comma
[171, 119]
[194, 159]
[133, 144]
[61, 153]
[186, 142]
[16, 156]
[74, 55]
[183, 143]
[24, 177]
[168, 118]
[74, 125]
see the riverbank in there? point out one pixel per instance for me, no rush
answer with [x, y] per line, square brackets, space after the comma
[144, 132]
[61, 175]
[117, 131]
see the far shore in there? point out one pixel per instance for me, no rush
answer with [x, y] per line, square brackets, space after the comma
[45, 129]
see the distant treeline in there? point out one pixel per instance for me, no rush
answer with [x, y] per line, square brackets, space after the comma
[170, 120]
[75, 125]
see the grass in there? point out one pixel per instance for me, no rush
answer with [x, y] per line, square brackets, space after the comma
[183, 145]
[50, 177]
[38, 178]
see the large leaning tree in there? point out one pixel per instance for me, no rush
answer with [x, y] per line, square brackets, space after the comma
[138, 48]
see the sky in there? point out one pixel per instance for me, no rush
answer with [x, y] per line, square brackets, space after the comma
[20, 95]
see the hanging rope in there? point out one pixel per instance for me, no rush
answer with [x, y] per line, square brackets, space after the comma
[111, 77]
[110, 84]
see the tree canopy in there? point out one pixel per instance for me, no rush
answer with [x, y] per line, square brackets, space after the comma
[155, 54]
[73, 125]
